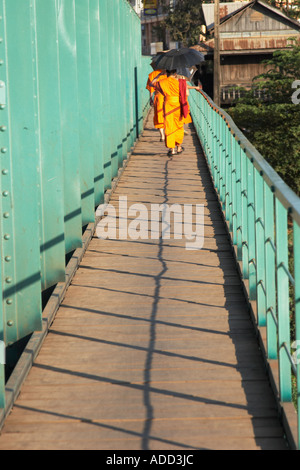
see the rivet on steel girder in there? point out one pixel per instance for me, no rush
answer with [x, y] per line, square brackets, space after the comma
[8, 280]
[6, 215]
[3, 150]
[5, 193]
[3, 128]
[6, 236]
[9, 301]
[7, 258]
[5, 172]
[10, 323]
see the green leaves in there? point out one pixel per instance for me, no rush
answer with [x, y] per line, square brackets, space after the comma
[184, 21]
[283, 69]
[272, 124]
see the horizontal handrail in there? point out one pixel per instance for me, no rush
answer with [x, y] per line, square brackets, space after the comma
[284, 193]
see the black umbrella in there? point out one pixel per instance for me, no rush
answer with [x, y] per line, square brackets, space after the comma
[156, 59]
[179, 58]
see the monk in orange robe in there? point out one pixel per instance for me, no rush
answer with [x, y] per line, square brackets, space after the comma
[157, 101]
[173, 122]
[176, 110]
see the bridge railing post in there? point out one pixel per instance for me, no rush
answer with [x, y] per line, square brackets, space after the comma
[296, 354]
[260, 248]
[283, 301]
[234, 190]
[270, 273]
[239, 220]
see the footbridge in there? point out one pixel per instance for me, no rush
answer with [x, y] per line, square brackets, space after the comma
[147, 302]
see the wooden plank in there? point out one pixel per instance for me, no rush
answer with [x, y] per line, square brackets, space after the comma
[153, 346]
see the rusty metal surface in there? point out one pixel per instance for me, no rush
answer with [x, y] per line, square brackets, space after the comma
[254, 43]
[225, 9]
[248, 44]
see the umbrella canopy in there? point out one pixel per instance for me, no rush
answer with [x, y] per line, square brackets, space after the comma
[186, 72]
[179, 58]
[156, 59]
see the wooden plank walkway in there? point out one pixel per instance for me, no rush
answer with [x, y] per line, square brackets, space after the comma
[153, 347]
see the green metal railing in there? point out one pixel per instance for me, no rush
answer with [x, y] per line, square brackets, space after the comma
[263, 217]
[72, 103]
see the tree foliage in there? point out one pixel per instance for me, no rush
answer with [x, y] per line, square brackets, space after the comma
[272, 124]
[284, 69]
[184, 21]
[274, 130]
[290, 9]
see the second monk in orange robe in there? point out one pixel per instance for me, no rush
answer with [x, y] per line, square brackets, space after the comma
[174, 121]
[158, 101]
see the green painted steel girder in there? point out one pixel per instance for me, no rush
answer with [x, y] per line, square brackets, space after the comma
[72, 87]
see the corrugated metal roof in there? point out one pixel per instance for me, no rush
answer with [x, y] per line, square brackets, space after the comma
[240, 6]
[225, 9]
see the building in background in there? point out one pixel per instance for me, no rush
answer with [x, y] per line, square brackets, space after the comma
[154, 37]
[137, 6]
[249, 33]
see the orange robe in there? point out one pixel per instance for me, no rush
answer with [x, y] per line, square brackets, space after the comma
[158, 119]
[185, 102]
[174, 131]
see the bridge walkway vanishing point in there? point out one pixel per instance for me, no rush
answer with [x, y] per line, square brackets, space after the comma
[153, 346]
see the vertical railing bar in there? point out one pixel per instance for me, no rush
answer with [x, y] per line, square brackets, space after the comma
[119, 106]
[270, 280]
[85, 110]
[69, 107]
[251, 230]
[230, 181]
[222, 164]
[283, 302]
[245, 250]
[214, 131]
[260, 248]
[122, 82]
[239, 227]
[296, 252]
[234, 191]
[219, 145]
[227, 176]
